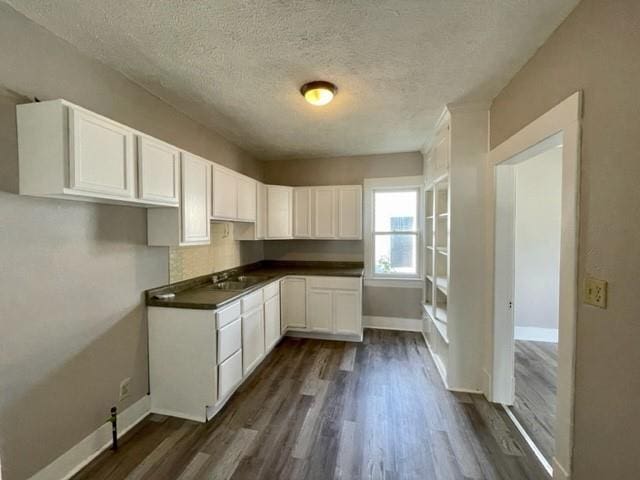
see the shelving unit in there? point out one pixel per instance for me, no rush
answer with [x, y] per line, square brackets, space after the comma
[454, 282]
[436, 255]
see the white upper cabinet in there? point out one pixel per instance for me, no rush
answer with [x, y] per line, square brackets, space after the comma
[328, 212]
[68, 152]
[302, 212]
[324, 212]
[196, 181]
[261, 214]
[246, 199]
[225, 193]
[101, 155]
[350, 212]
[158, 171]
[279, 212]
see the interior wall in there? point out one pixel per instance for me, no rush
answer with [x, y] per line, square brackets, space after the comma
[596, 50]
[72, 273]
[384, 302]
[538, 183]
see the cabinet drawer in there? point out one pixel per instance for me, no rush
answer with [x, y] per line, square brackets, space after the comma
[334, 283]
[227, 315]
[252, 301]
[229, 374]
[271, 290]
[229, 340]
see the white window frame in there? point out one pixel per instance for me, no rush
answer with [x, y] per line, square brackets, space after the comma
[371, 186]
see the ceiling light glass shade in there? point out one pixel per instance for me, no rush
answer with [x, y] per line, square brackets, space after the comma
[318, 93]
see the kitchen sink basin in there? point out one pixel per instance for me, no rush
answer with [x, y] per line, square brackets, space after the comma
[231, 285]
[251, 278]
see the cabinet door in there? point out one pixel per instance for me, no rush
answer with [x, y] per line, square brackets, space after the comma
[319, 309]
[196, 184]
[261, 214]
[252, 338]
[158, 171]
[272, 327]
[302, 212]
[293, 302]
[350, 212]
[324, 208]
[225, 194]
[101, 155]
[246, 199]
[346, 310]
[229, 374]
[278, 212]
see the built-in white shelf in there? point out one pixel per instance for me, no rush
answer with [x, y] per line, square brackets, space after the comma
[442, 283]
[442, 250]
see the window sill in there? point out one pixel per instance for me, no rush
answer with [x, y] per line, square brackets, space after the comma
[393, 282]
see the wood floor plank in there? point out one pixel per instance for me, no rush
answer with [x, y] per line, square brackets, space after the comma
[195, 465]
[536, 365]
[323, 410]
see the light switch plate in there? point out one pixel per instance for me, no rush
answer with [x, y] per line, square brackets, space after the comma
[595, 292]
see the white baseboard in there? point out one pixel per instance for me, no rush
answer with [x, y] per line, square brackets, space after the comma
[534, 448]
[73, 460]
[537, 334]
[559, 473]
[392, 323]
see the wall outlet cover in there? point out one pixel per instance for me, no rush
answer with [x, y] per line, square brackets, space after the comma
[124, 388]
[595, 292]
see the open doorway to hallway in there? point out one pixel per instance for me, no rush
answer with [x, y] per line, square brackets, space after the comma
[529, 223]
[537, 225]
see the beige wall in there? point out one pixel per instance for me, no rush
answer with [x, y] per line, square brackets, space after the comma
[386, 302]
[222, 253]
[72, 324]
[341, 170]
[597, 49]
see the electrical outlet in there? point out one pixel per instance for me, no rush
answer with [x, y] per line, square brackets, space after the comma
[595, 292]
[124, 388]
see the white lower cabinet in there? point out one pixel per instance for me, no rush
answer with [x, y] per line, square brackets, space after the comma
[319, 315]
[229, 374]
[198, 358]
[293, 292]
[327, 307]
[272, 329]
[252, 338]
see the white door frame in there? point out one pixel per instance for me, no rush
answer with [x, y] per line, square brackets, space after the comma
[562, 119]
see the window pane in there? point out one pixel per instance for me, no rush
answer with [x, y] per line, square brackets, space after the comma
[395, 254]
[396, 211]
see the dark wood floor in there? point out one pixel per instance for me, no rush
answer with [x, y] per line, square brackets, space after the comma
[332, 410]
[535, 399]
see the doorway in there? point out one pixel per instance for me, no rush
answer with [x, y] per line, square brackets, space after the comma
[530, 192]
[536, 179]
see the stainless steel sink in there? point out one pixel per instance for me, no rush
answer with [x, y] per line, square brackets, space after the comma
[251, 278]
[236, 283]
[231, 285]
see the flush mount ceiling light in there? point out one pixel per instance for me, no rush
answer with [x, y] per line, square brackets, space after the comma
[318, 93]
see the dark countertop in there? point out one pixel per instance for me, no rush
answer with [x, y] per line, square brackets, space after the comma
[197, 293]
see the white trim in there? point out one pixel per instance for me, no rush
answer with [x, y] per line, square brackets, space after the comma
[391, 183]
[392, 323]
[73, 460]
[536, 334]
[564, 118]
[559, 473]
[534, 448]
[393, 282]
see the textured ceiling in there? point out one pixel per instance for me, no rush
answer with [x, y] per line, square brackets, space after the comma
[236, 65]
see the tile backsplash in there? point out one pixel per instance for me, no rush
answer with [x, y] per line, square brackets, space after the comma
[222, 253]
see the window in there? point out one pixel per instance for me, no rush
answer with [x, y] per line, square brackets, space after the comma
[393, 228]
